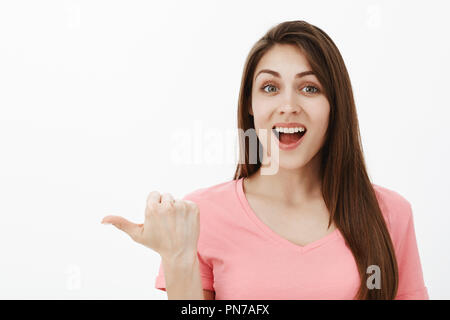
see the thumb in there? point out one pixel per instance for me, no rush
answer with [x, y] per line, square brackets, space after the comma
[132, 229]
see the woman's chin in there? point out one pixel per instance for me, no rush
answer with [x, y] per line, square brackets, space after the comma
[291, 164]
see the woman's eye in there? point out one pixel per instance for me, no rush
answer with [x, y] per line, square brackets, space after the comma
[306, 89]
[268, 85]
[310, 89]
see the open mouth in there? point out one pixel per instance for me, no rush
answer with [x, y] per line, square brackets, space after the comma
[288, 138]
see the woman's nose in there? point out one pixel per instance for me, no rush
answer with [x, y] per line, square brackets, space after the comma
[290, 108]
[289, 102]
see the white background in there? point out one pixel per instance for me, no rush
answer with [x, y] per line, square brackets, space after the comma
[92, 92]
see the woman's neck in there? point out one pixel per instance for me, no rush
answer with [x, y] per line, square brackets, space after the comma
[292, 187]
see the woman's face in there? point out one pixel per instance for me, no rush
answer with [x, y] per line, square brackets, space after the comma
[287, 98]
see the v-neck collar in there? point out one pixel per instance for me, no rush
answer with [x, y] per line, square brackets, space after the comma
[272, 234]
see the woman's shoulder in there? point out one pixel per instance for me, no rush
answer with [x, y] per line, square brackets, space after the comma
[214, 192]
[394, 206]
[216, 203]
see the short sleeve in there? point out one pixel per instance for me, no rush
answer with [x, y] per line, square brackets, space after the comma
[206, 271]
[411, 283]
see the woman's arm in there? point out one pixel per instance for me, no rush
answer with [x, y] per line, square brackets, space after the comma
[182, 277]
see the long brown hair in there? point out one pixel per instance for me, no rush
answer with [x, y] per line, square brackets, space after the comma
[346, 187]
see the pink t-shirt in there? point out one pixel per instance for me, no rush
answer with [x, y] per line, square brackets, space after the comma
[240, 257]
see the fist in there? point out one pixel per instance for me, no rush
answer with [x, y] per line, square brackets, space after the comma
[171, 227]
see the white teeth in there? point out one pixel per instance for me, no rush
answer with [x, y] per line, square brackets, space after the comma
[289, 130]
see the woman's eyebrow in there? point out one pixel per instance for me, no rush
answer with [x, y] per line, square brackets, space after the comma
[276, 74]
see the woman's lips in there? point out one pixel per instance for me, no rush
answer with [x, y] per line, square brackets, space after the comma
[288, 125]
[289, 141]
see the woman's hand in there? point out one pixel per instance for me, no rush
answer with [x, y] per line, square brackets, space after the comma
[171, 227]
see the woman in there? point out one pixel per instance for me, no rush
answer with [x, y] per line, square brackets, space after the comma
[313, 228]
